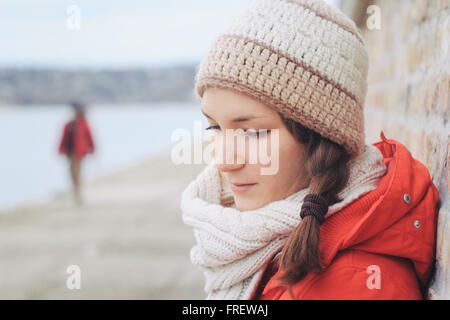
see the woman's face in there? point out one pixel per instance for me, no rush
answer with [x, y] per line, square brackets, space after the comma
[228, 109]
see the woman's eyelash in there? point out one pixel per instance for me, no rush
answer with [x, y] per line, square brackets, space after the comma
[250, 132]
[257, 133]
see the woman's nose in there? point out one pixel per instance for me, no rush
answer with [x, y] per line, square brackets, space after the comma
[229, 167]
[227, 153]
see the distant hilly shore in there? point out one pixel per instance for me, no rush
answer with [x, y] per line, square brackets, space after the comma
[104, 86]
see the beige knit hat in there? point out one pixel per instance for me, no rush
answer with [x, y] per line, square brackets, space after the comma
[304, 58]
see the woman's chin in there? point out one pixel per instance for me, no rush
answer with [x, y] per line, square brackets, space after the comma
[246, 204]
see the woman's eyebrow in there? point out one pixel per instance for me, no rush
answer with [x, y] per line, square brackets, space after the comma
[240, 119]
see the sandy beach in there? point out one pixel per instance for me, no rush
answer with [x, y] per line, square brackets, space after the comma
[127, 238]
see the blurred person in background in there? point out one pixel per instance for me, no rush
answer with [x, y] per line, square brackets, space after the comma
[76, 143]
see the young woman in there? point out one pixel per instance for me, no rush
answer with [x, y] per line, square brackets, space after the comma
[339, 218]
[76, 143]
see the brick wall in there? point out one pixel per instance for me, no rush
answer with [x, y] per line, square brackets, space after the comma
[409, 94]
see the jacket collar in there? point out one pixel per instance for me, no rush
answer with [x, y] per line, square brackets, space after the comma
[367, 222]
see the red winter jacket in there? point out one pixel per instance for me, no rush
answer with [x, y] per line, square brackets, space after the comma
[382, 245]
[82, 140]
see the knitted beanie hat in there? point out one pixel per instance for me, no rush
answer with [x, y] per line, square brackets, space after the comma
[304, 58]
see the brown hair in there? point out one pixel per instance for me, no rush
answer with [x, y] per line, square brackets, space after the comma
[327, 163]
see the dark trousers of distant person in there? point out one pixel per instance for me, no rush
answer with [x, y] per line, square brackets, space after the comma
[75, 169]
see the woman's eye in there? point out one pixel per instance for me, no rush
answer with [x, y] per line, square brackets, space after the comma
[213, 128]
[256, 133]
[249, 132]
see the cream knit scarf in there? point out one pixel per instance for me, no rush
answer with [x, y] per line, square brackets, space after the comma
[234, 247]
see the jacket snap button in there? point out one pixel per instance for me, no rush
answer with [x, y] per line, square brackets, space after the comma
[407, 198]
[417, 224]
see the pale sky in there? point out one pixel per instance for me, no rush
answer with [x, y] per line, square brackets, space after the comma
[113, 33]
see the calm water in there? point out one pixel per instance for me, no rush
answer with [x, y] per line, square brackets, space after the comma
[31, 168]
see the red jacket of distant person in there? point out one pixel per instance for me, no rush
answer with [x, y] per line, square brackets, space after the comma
[83, 143]
[382, 246]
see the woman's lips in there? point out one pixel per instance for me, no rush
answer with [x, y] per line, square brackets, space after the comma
[241, 187]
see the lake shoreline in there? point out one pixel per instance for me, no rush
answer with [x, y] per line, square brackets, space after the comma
[31, 168]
